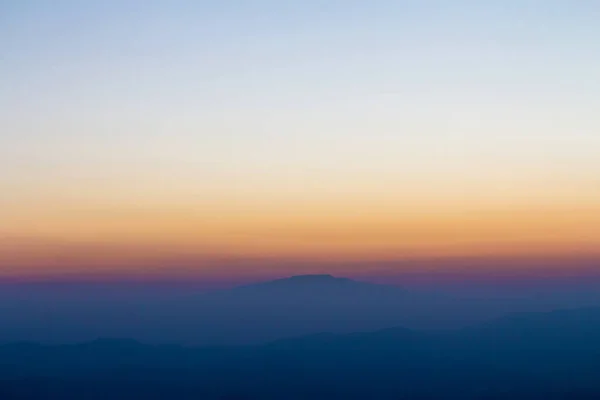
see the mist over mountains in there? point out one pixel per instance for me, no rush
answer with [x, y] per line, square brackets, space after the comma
[302, 337]
[525, 356]
[249, 314]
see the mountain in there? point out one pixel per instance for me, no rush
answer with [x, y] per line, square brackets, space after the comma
[526, 356]
[308, 289]
[254, 313]
[249, 314]
[294, 306]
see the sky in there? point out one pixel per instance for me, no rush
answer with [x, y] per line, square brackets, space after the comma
[168, 138]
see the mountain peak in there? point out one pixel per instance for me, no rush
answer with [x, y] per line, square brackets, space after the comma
[327, 288]
[314, 277]
[310, 279]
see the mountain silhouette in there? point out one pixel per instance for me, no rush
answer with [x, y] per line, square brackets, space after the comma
[249, 314]
[321, 288]
[315, 280]
[524, 356]
[293, 306]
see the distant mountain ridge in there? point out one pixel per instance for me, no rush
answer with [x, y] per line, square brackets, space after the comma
[321, 286]
[310, 279]
[249, 314]
[526, 356]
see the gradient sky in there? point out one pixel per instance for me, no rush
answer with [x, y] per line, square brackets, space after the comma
[141, 136]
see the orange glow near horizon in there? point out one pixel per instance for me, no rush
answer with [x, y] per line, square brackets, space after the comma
[138, 240]
[200, 137]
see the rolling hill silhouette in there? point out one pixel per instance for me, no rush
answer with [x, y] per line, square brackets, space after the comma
[295, 306]
[308, 289]
[249, 314]
[526, 356]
